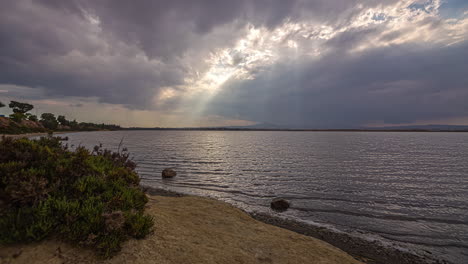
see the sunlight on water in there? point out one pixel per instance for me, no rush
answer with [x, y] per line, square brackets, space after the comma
[403, 187]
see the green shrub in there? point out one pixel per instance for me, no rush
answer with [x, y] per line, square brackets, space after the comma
[17, 117]
[32, 117]
[91, 198]
[49, 121]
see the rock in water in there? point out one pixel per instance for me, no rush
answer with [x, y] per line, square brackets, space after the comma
[168, 173]
[279, 204]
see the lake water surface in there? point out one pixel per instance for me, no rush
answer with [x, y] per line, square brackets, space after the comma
[406, 189]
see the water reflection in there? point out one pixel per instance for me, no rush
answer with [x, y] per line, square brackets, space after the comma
[409, 187]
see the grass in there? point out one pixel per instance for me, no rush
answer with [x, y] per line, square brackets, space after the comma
[88, 198]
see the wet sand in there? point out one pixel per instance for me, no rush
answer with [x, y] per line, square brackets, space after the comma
[191, 229]
[361, 249]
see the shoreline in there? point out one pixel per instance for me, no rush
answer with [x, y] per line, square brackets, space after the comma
[361, 249]
[38, 134]
[28, 135]
[193, 230]
[196, 229]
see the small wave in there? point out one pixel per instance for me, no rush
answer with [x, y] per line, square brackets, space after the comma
[385, 217]
[439, 245]
[203, 187]
[403, 204]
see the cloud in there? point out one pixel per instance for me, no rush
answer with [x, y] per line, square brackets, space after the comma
[301, 63]
[400, 87]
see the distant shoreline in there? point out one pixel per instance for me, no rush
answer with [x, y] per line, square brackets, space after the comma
[38, 134]
[27, 135]
[289, 130]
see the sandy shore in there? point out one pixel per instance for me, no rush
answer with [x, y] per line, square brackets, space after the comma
[27, 135]
[194, 230]
[361, 249]
[367, 251]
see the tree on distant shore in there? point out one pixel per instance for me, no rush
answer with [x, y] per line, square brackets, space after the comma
[17, 117]
[63, 121]
[19, 110]
[49, 121]
[73, 124]
[33, 118]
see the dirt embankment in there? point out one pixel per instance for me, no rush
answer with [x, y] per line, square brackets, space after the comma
[194, 230]
[8, 126]
[6, 122]
[29, 135]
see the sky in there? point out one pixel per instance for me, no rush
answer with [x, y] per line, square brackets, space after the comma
[295, 63]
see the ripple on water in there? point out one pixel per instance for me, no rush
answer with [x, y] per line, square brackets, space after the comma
[404, 187]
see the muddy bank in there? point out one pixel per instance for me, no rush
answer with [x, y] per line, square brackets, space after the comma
[41, 134]
[28, 135]
[361, 249]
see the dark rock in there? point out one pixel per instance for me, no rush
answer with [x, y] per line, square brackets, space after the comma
[168, 173]
[279, 204]
[17, 253]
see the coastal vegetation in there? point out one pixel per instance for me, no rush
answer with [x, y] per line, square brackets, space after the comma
[88, 198]
[21, 121]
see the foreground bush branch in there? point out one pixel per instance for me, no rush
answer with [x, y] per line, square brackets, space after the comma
[88, 198]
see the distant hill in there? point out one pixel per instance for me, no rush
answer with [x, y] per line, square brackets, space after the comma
[258, 126]
[422, 127]
[270, 126]
[273, 127]
[409, 127]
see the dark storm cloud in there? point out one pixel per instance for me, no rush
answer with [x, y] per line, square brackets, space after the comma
[167, 28]
[126, 52]
[53, 44]
[56, 49]
[390, 85]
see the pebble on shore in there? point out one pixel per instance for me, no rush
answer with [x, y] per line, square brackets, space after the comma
[279, 204]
